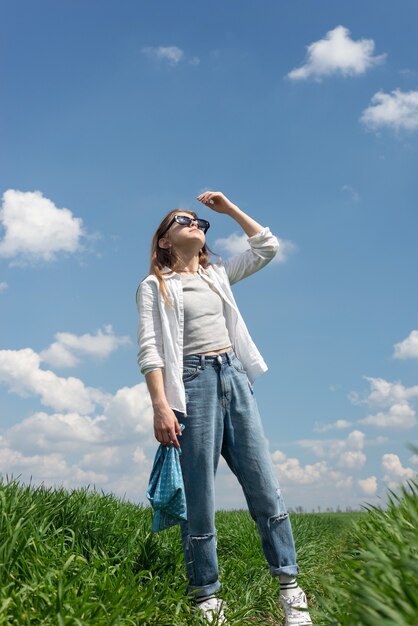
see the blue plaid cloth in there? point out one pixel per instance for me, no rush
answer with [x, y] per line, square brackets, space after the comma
[166, 489]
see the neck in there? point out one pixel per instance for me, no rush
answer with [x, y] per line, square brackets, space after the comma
[187, 263]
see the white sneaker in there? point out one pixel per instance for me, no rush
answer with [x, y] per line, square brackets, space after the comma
[212, 610]
[293, 607]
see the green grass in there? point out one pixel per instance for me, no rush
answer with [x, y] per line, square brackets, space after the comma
[375, 582]
[84, 558]
[81, 557]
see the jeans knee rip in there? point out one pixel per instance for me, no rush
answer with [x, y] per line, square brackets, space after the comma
[282, 511]
[199, 538]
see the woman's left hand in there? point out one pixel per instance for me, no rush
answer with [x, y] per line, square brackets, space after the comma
[216, 201]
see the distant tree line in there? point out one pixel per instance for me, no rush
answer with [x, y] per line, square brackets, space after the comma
[328, 509]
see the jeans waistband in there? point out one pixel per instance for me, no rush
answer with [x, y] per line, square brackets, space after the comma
[203, 360]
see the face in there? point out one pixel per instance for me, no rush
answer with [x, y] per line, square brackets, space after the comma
[183, 236]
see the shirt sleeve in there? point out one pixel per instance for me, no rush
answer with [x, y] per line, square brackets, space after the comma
[151, 353]
[263, 248]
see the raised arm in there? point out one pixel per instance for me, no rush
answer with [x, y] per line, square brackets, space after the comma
[218, 202]
[263, 245]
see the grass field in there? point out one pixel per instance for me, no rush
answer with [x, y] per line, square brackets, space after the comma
[83, 558]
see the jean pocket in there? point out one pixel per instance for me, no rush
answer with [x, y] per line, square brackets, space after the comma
[237, 365]
[190, 373]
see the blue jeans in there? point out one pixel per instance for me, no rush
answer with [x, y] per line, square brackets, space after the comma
[222, 418]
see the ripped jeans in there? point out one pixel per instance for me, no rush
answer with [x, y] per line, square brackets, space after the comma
[223, 418]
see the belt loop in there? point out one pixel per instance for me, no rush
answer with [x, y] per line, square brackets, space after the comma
[228, 358]
[202, 361]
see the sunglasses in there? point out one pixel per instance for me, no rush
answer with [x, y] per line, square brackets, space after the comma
[184, 220]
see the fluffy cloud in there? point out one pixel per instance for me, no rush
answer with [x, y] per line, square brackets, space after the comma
[395, 472]
[352, 459]
[385, 393]
[353, 194]
[49, 469]
[20, 371]
[337, 53]
[50, 466]
[338, 425]
[3, 286]
[129, 412]
[172, 54]
[393, 396]
[139, 456]
[347, 452]
[290, 470]
[408, 348]
[104, 458]
[90, 437]
[237, 243]
[35, 229]
[43, 431]
[63, 352]
[368, 485]
[112, 451]
[400, 415]
[397, 110]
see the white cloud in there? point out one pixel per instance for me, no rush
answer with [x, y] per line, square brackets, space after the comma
[391, 395]
[352, 459]
[35, 229]
[237, 243]
[337, 53]
[113, 451]
[42, 432]
[354, 195]
[63, 352]
[346, 452]
[339, 480]
[91, 437]
[3, 286]
[337, 425]
[290, 470]
[50, 466]
[395, 472]
[139, 456]
[172, 54]
[408, 348]
[400, 415]
[20, 371]
[105, 458]
[414, 459]
[385, 393]
[380, 440]
[49, 469]
[397, 110]
[233, 244]
[129, 411]
[368, 485]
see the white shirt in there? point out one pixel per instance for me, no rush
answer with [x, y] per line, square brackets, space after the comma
[160, 328]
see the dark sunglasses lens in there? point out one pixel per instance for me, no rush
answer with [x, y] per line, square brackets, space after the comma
[203, 225]
[183, 220]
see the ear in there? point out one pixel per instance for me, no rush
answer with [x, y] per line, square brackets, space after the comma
[164, 243]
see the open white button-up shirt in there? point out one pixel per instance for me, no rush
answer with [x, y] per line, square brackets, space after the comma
[160, 328]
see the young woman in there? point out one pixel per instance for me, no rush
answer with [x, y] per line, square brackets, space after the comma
[199, 362]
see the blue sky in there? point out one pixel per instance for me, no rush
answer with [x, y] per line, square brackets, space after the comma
[305, 114]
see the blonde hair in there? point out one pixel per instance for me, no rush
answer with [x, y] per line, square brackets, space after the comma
[167, 257]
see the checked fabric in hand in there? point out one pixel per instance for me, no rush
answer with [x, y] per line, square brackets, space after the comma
[166, 488]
